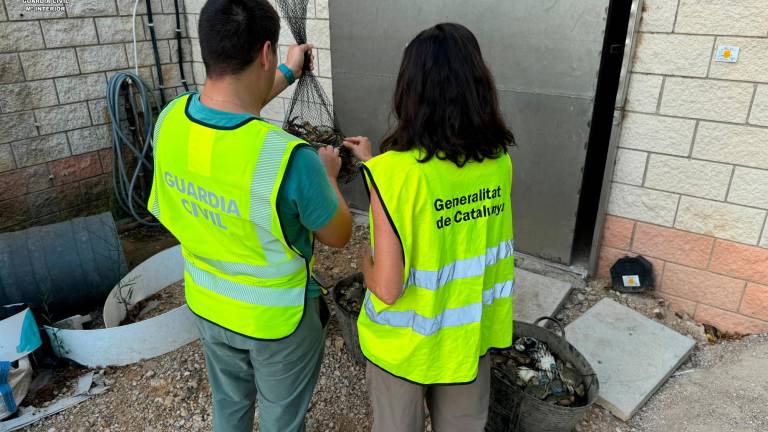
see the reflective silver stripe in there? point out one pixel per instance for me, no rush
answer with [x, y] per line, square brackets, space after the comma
[161, 117]
[469, 267]
[262, 272]
[422, 325]
[155, 210]
[500, 290]
[245, 293]
[262, 184]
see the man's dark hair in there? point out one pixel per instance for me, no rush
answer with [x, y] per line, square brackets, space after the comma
[445, 100]
[233, 32]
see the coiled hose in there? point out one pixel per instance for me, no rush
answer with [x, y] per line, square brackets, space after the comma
[126, 184]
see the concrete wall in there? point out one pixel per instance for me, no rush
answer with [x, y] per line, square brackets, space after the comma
[55, 139]
[690, 189]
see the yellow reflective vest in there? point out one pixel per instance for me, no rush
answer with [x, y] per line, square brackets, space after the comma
[216, 190]
[455, 226]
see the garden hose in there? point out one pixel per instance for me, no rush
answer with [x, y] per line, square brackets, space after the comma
[125, 183]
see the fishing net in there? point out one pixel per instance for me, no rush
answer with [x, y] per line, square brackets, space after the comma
[310, 114]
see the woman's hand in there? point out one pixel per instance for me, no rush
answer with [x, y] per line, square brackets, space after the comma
[329, 155]
[360, 147]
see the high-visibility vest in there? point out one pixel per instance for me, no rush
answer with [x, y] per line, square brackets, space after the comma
[455, 227]
[216, 189]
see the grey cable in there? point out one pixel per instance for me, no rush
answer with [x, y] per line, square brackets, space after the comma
[123, 182]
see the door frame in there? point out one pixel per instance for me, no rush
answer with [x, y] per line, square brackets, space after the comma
[613, 145]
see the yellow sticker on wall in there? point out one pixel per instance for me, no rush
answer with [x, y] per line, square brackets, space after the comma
[727, 54]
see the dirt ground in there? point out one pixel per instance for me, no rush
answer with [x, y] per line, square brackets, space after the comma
[721, 388]
[143, 242]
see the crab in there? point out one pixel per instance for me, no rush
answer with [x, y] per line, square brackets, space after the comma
[321, 136]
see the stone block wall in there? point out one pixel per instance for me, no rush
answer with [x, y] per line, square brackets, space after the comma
[55, 139]
[690, 188]
[318, 33]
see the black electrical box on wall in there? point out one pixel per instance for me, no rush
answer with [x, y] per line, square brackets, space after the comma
[632, 275]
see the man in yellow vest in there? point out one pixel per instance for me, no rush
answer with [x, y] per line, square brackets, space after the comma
[246, 200]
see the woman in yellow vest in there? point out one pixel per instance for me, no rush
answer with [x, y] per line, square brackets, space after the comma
[441, 275]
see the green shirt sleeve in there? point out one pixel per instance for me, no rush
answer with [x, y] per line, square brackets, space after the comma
[306, 195]
[306, 202]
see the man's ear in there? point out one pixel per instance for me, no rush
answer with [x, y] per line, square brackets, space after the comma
[266, 51]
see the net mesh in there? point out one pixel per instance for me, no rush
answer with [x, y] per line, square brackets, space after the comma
[310, 113]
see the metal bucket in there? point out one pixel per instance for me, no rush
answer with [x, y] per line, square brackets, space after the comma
[348, 319]
[512, 410]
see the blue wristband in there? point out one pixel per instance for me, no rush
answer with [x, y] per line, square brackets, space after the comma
[288, 73]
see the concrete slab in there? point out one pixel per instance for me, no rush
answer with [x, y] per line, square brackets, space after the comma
[537, 296]
[631, 354]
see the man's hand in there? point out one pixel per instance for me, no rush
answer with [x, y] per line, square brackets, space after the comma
[339, 230]
[295, 58]
[295, 61]
[330, 157]
[360, 147]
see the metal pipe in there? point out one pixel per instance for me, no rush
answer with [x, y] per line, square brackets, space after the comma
[151, 25]
[178, 45]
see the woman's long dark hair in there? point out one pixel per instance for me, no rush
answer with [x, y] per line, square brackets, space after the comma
[445, 100]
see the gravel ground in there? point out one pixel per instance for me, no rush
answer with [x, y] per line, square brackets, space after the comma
[722, 388]
[171, 393]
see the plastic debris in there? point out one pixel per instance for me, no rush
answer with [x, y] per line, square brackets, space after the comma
[19, 335]
[15, 381]
[27, 415]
